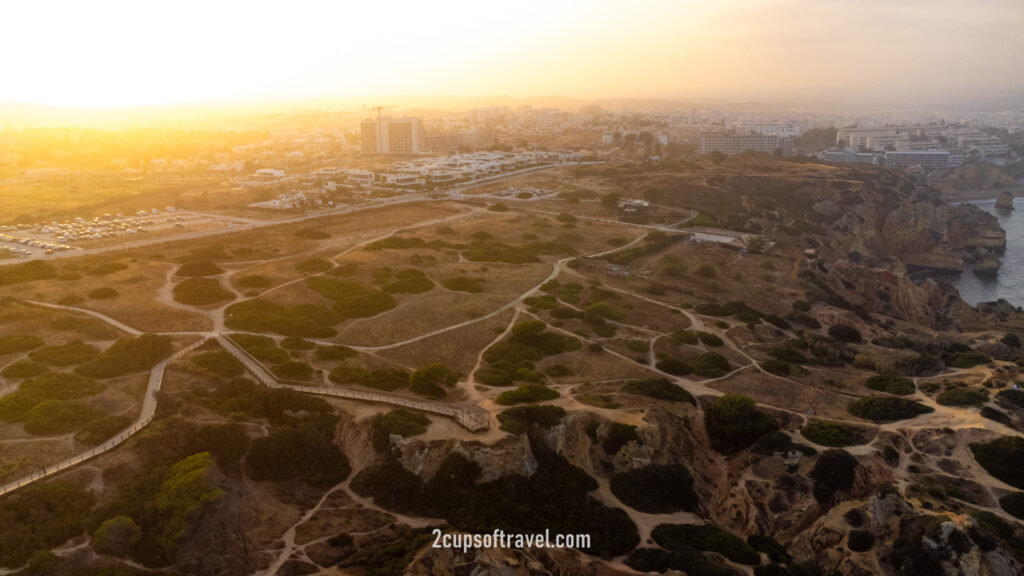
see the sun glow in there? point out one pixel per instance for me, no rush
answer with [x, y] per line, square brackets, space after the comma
[111, 53]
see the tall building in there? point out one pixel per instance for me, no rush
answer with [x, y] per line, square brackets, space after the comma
[731, 143]
[392, 135]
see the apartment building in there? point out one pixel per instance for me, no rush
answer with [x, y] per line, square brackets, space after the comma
[731, 143]
[392, 136]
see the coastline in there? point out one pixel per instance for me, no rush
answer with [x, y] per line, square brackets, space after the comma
[960, 196]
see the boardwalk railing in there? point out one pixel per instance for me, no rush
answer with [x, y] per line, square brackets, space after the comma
[110, 444]
[472, 418]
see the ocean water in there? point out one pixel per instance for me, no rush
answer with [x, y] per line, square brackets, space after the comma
[1009, 284]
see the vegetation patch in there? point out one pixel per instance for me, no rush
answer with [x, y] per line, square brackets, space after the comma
[657, 489]
[312, 234]
[891, 384]
[351, 299]
[1002, 458]
[1013, 503]
[305, 320]
[293, 370]
[53, 417]
[127, 355]
[90, 327]
[262, 348]
[68, 354]
[660, 388]
[334, 353]
[527, 394]
[518, 419]
[711, 365]
[41, 516]
[102, 429]
[387, 379]
[27, 272]
[734, 423]
[512, 360]
[708, 537]
[201, 292]
[432, 379]
[832, 434]
[402, 422]
[962, 397]
[887, 409]
[303, 452]
[617, 436]
[253, 281]
[23, 369]
[19, 343]
[104, 293]
[195, 268]
[510, 502]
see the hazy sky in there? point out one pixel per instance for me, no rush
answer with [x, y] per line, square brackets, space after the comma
[105, 53]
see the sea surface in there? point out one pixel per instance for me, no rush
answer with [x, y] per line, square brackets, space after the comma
[1009, 284]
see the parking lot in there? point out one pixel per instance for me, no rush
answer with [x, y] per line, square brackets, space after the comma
[99, 231]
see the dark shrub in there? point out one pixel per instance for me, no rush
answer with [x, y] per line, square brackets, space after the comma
[660, 388]
[734, 423]
[673, 366]
[887, 409]
[199, 268]
[707, 537]
[845, 333]
[835, 468]
[657, 489]
[527, 393]
[860, 540]
[891, 384]
[618, 435]
[1002, 458]
[519, 418]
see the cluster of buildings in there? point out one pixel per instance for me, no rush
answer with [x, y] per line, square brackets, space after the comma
[929, 147]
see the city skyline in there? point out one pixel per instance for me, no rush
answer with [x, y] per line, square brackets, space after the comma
[115, 54]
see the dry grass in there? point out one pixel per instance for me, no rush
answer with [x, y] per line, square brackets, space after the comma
[458, 349]
[767, 389]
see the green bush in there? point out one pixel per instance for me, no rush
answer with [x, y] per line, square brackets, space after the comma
[832, 434]
[26, 272]
[711, 365]
[660, 388]
[962, 397]
[835, 468]
[219, 362]
[673, 366]
[1002, 458]
[253, 281]
[400, 421]
[23, 369]
[734, 423]
[201, 292]
[351, 299]
[891, 384]
[387, 379]
[106, 268]
[262, 348]
[1013, 503]
[53, 417]
[887, 408]
[297, 343]
[527, 394]
[845, 333]
[709, 339]
[518, 419]
[463, 284]
[970, 359]
[409, 281]
[16, 406]
[657, 489]
[194, 268]
[303, 452]
[68, 354]
[102, 429]
[707, 537]
[638, 346]
[618, 435]
[860, 541]
[19, 343]
[116, 536]
[127, 355]
[41, 516]
[293, 370]
[558, 371]
[432, 379]
[104, 293]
